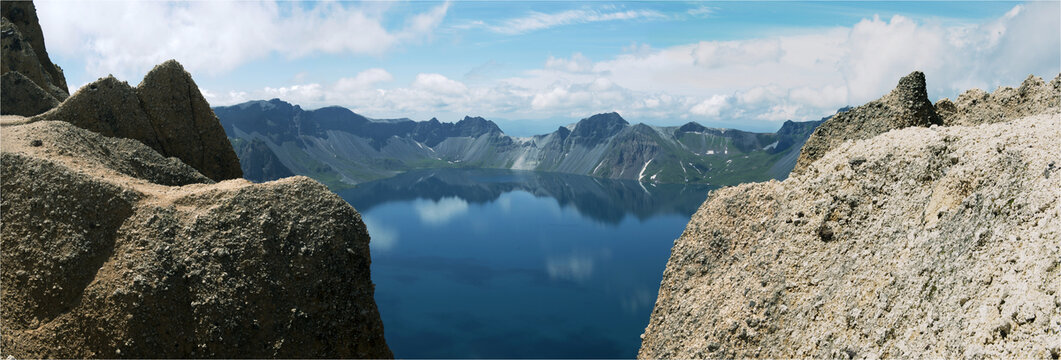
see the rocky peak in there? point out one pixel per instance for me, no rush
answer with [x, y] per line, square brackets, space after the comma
[691, 126]
[595, 129]
[907, 105]
[910, 100]
[476, 126]
[166, 112]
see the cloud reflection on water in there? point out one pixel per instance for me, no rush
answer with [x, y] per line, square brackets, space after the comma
[441, 211]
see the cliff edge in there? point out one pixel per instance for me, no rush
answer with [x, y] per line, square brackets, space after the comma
[920, 242]
[116, 241]
[111, 250]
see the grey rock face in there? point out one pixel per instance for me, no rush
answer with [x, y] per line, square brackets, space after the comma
[939, 242]
[23, 15]
[259, 163]
[165, 112]
[104, 258]
[31, 83]
[907, 105]
[21, 96]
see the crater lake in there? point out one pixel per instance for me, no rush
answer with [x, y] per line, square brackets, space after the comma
[518, 264]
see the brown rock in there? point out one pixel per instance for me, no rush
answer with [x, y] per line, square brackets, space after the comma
[907, 105]
[166, 112]
[185, 125]
[103, 259]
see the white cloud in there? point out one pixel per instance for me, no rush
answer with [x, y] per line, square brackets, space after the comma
[701, 11]
[539, 21]
[127, 38]
[711, 107]
[799, 75]
[364, 80]
[577, 63]
[439, 84]
[717, 54]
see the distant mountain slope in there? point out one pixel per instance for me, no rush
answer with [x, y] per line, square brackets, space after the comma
[340, 147]
[258, 162]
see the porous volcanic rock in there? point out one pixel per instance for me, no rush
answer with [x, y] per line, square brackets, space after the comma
[940, 242]
[103, 256]
[906, 105]
[974, 107]
[22, 50]
[165, 112]
[21, 96]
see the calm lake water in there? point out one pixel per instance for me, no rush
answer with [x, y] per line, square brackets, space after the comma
[515, 264]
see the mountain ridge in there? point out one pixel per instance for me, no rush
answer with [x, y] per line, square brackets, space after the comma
[343, 148]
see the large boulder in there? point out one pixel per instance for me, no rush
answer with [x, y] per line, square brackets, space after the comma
[106, 255]
[166, 112]
[906, 105]
[940, 242]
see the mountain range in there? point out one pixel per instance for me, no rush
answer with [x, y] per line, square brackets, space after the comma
[341, 148]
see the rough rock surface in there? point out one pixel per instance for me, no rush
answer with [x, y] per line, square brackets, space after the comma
[939, 242]
[22, 52]
[974, 107]
[166, 112]
[102, 257]
[21, 96]
[907, 105]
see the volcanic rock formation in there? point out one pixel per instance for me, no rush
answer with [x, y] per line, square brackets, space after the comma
[31, 83]
[974, 107]
[907, 105]
[116, 242]
[937, 242]
[105, 255]
[165, 112]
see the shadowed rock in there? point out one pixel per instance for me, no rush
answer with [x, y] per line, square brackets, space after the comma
[907, 105]
[31, 83]
[21, 96]
[166, 112]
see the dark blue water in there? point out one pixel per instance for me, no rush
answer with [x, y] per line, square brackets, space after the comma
[510, 264]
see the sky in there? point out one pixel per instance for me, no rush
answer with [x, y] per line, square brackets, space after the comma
[533, 66]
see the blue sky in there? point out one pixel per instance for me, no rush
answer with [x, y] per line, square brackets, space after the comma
[533, 66]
